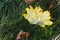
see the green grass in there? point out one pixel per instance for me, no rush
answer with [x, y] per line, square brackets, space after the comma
[12, 21]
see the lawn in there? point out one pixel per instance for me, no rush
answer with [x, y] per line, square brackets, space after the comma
[12, 22]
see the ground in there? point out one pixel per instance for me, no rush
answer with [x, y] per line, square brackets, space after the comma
[12, 21]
